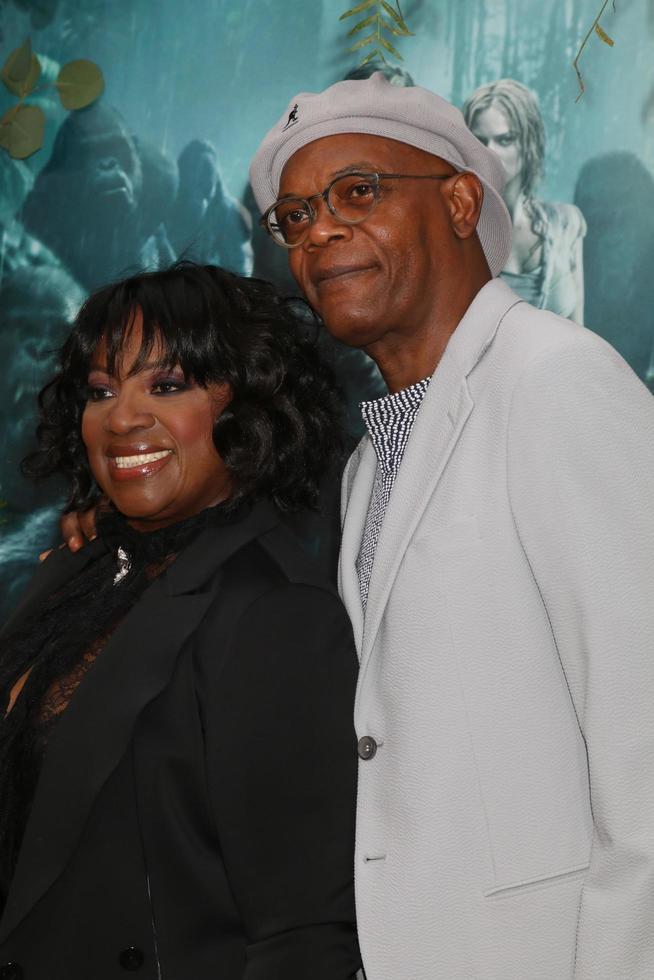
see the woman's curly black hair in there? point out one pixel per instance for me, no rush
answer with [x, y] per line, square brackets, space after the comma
[280, 433]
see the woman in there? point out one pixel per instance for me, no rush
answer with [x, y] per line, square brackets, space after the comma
[177, 757]
[545, 266]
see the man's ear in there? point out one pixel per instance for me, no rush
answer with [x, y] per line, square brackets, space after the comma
[465, 194]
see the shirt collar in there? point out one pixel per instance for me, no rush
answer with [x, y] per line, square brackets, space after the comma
[389, 420]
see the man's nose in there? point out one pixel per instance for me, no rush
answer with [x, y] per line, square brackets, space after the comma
[326, 227]
[128, 412]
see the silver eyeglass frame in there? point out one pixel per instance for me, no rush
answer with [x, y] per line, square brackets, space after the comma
[373, 176]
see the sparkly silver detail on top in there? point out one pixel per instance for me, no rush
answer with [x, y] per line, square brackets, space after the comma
[389, 421]
[123, 565]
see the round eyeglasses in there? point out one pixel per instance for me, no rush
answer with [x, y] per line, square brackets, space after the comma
[351, 198]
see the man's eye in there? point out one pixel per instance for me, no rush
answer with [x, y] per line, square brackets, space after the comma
[361, 190]
[294, 217]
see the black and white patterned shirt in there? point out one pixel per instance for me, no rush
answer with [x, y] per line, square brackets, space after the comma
[389, 421]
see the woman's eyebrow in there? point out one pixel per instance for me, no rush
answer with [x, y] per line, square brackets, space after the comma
[148, 366]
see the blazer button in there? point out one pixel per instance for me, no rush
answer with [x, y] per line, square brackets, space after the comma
[131, 958]
[11, 971]
[366, 747]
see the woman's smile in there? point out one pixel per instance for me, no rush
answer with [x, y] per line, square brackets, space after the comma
[130, 465]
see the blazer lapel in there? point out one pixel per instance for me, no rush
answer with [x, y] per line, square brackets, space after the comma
[436, 430]
[357, 489]
[97, 726]
[443, 414]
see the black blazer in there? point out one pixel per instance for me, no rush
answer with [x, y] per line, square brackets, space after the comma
[194, 818]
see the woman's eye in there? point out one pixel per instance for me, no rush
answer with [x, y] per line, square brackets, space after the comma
[506, 140]
[97, 393]
[168, 386]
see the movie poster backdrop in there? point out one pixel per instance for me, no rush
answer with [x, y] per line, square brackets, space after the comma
[157, 169]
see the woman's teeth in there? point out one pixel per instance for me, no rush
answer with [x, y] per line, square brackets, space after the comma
[127, 462]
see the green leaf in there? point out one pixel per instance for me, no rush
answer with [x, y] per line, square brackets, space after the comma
[357, 10]
[19, 62]
[396, 31]
[21, 70]
[362, 43]
[396, 16]
[363, 23]
[389, 47]
[79, 83]
[21, 130]
[601, 33]
[26, 85]
[373, 54]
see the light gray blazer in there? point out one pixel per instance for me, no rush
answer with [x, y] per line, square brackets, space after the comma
[506, 822]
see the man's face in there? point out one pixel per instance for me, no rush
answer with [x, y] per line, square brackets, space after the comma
[384, 274]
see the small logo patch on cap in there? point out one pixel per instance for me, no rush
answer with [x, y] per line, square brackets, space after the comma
[292, 118]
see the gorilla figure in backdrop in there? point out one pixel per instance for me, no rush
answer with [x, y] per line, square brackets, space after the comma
[615, 193]
[159, 189]
[37, 306]
[206, 223]
[85, 202]
[197, 167]
[17, 247]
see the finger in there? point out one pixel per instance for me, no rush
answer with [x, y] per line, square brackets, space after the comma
[71, 532]
[44, 554]
[87, 523]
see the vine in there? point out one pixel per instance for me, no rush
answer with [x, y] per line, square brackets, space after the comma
[595, 28]
[385, 20]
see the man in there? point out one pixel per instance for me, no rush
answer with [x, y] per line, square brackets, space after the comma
[499, 581]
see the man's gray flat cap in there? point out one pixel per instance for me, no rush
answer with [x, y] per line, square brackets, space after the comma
[411, 115]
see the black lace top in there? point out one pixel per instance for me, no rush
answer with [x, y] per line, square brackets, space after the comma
[50, 655]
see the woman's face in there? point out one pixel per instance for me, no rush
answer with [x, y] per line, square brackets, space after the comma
[148, 437]
[492, 128]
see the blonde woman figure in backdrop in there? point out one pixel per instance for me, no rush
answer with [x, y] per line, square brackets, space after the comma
[545, 266]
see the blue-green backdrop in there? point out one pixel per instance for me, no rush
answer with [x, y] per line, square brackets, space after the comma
[190, 89]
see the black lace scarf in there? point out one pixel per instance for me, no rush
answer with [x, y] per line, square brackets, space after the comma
[54, 644]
